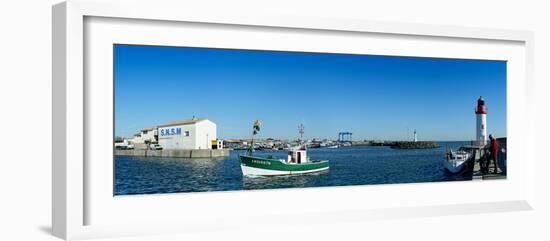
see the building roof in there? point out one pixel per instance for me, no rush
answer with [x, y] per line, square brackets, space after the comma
[232, 140]
[183, 122]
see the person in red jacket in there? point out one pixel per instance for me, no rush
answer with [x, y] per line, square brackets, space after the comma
[494, 152]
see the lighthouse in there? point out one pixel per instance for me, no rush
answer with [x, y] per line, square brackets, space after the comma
[481, 123]
[415, 139]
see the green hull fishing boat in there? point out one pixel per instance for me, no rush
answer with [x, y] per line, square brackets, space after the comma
[296, 163]
[257, 166]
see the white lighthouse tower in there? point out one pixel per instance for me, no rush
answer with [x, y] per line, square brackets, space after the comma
[415, 139]
[481, 123]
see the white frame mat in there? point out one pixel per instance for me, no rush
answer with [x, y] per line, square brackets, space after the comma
[83, 203]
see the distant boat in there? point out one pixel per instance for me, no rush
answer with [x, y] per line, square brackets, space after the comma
[346, 144]
[332, 147]
[314, 145]
[455, 161]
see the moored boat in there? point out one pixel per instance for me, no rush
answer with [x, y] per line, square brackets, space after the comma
[455, 161]
[347, 143]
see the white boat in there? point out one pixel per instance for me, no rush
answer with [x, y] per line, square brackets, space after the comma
[332, 147]
[455, 160]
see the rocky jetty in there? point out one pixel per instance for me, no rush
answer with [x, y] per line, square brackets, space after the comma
[414, 145]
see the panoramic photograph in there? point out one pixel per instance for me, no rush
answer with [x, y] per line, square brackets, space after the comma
[191, 119]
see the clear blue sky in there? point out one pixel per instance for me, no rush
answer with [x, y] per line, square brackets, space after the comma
[375, 97]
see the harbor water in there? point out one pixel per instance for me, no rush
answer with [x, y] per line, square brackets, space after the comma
[356, 165]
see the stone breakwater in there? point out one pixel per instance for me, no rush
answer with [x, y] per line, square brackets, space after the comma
[414, 145]
[175, 153]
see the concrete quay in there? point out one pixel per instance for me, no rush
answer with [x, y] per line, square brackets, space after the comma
[480, 154]
[478, 174]
[199, 153]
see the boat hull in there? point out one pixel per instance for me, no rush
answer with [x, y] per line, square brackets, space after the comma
[454, 166]
[257, 166]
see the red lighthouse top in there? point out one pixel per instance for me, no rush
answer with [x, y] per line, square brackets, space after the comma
[481, 109]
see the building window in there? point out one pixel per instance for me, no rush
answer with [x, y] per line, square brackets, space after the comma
[186, 133]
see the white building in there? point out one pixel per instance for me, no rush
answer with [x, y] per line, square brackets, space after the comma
[148, 135]
[187, 134]
[136, 138]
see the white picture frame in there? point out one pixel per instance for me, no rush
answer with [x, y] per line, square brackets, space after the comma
[75, 191]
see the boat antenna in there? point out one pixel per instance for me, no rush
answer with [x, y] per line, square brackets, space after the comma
[301, 131]
[255, 130]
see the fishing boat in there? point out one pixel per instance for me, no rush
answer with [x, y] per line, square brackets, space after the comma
[455, 161]
[297, 161]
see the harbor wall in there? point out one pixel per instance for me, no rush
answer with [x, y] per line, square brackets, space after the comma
[414, 145]
[175, 153]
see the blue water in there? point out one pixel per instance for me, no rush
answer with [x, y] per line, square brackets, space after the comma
[348, 166]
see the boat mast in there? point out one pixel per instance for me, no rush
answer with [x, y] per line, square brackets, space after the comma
[301, 131]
